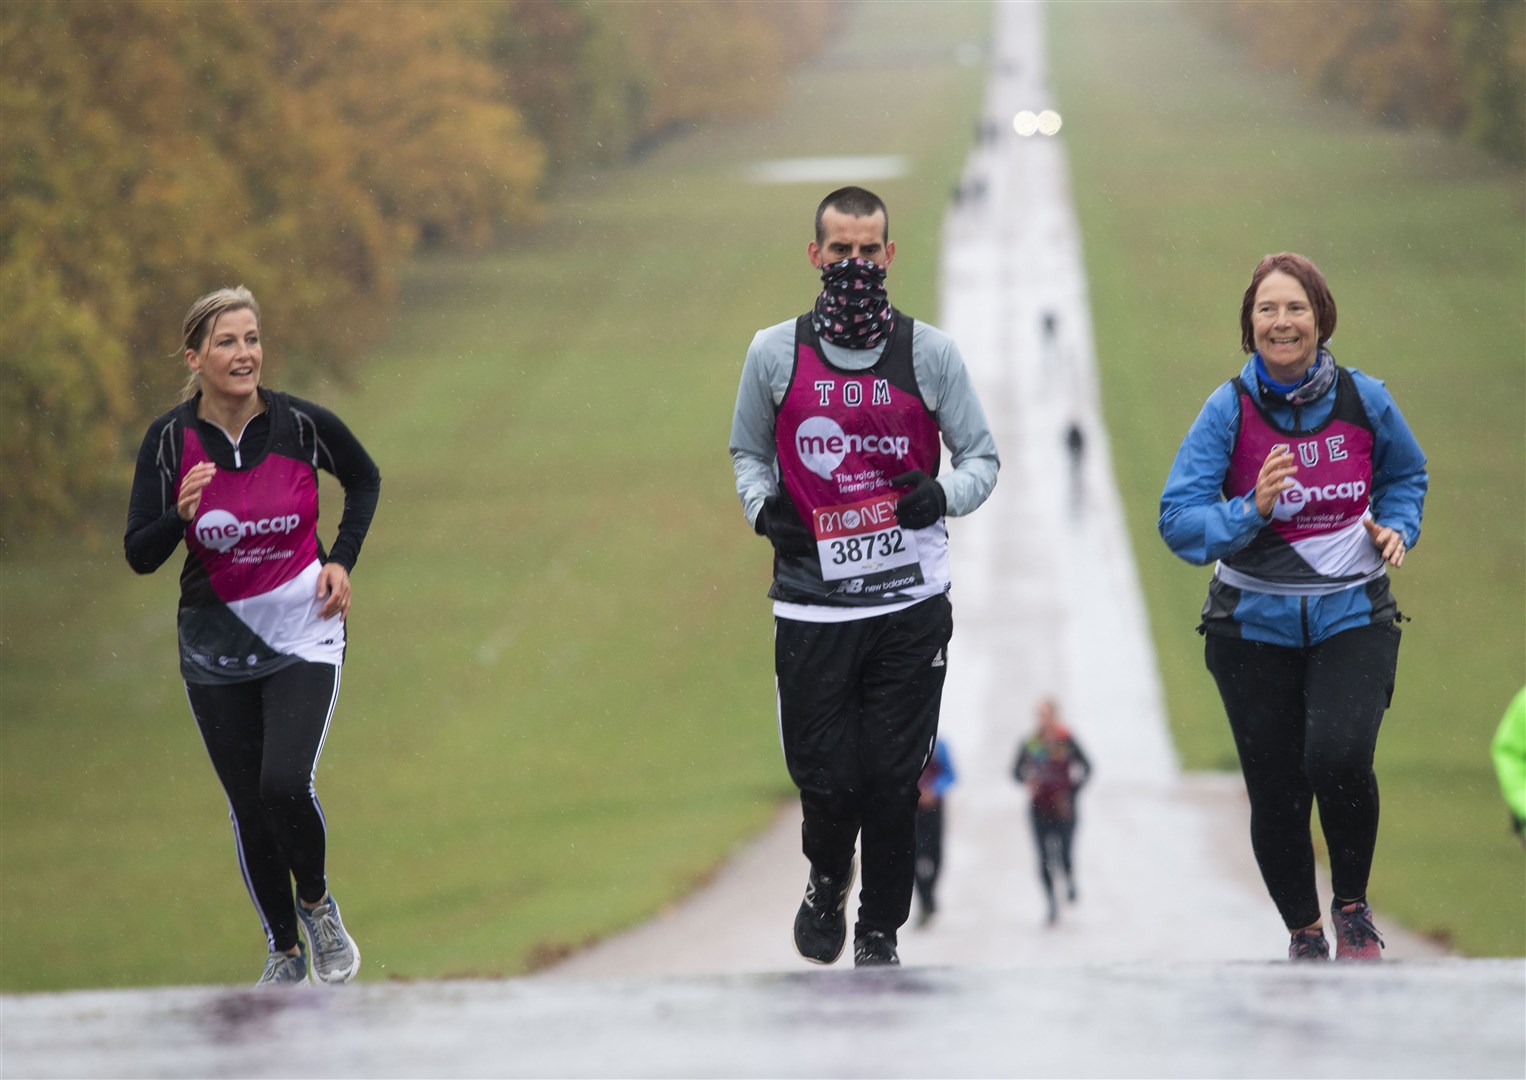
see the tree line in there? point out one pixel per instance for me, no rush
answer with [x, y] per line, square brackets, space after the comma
[151, 150]
[1457, 65]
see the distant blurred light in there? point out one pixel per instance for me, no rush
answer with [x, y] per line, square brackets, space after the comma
[1025, 123]
[1048, 122]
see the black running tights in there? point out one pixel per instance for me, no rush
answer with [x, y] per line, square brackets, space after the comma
[264, 737]
[1052, 837]
[1305, 723]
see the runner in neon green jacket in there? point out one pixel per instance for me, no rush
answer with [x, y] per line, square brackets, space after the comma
[1509, 750]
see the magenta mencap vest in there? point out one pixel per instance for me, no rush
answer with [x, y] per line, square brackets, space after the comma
[840, 436]
[1316, 542]
[249, 587]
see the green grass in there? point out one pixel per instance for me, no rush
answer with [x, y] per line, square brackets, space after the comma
[557, 711]
[1187, 167]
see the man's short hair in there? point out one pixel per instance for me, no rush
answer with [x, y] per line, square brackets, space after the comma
[855, 202]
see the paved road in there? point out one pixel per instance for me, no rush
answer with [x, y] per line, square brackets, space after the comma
[1169, 965]
[1419, 1018]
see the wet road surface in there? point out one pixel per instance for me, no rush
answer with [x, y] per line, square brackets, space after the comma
[1416, 1018]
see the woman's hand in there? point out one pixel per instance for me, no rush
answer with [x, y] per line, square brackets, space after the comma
[1276, 477]
[1389, 542]
[334, 591]
[195, 482]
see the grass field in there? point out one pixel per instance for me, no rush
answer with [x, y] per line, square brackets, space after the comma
[1187, 167]
[558, 705]
[558, 711]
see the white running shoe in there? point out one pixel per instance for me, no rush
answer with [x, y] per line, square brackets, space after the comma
[336, 957]
[284, 970]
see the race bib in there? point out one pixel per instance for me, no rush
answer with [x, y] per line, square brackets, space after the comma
[862, 546]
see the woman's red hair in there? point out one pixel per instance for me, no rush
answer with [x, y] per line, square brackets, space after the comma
[1307, 275]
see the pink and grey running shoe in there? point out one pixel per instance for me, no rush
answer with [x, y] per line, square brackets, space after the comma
[1309, 944]
[1355, 936]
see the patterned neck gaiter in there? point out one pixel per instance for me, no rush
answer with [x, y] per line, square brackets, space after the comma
[1311, 387]
[852, 309]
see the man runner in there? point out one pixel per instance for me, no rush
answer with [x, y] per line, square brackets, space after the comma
[835, 445]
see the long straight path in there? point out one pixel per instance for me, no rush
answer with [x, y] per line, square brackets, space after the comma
[1169, 965]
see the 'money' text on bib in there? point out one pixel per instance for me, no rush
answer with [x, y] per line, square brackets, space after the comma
[864, 540]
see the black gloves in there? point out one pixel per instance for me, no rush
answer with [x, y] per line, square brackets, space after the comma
[780, 522]
[924, 504]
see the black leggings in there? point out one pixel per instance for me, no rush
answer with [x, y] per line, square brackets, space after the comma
[264, 737]
[1052, 837]
[858, 712]
[1305, 723]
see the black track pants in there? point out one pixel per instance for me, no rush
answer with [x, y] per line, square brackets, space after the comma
[1305, 722]
[858, 712]
[264, 737]
[929, 856]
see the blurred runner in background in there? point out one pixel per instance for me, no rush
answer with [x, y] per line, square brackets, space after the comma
[1052, 766]
[937, 777]
[1509, 753]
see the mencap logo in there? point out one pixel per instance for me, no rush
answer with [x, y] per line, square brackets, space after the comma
[819, 442]
[221, 531]
[1296, 499]
[218, 530]
[822, 444]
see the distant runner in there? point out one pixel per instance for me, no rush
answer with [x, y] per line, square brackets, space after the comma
[932, 789]
[1508, 749]
[835, 445]
[1075, 446]
[1051, 764]
[1302, 482]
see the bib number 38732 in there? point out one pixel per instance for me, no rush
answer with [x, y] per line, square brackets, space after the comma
[863, 541]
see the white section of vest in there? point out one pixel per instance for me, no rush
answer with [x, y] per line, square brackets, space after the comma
[286, 619]
[820, 613]
[1343, 558]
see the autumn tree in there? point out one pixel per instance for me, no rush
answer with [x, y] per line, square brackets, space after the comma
[151, 151]
[598, 82]
[410, 92]
[1491, 56]
[1459, 65]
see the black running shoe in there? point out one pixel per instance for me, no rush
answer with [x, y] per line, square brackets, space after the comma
[1309, 945]
[821, 927]
[874, 948]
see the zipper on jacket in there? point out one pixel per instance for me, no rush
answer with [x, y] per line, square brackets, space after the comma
[1303, 617]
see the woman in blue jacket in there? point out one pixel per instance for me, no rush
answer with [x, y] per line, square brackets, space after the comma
[1302, 483]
